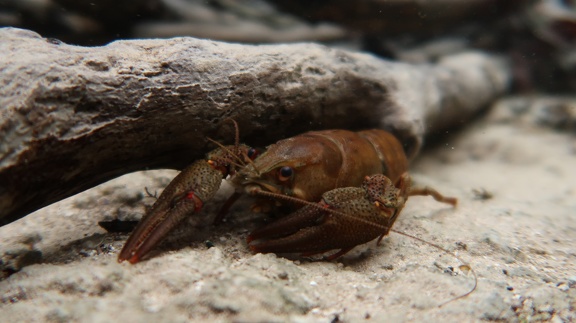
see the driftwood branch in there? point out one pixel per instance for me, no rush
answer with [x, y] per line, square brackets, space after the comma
[73, 117]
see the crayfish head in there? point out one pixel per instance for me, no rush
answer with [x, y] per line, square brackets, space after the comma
[302, 167]
[273, 188]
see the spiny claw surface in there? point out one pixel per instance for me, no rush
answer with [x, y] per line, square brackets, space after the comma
[345, 218]
[185, 195]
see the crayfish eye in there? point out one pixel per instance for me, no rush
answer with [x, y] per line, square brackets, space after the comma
[252, 153]
[285, 173]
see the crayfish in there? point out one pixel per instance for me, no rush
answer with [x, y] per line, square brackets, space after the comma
[352, 185]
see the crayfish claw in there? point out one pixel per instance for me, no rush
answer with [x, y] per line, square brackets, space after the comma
[185, 195]
[344, 218]
[317, 229]
[310, 240]
[288, 225]
[307, 230]
[339, 254]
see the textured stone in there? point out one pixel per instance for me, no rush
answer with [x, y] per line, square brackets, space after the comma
[73, 117]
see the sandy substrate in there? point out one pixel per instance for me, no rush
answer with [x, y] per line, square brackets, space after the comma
[515, 225]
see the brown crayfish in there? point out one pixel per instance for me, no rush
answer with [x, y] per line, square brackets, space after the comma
[353, 186]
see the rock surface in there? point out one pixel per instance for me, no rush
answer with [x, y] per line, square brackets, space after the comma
[74, 117]
[514, 225]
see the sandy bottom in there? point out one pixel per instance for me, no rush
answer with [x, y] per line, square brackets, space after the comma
[515, 225]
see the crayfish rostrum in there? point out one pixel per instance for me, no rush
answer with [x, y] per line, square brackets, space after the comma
[352, 185]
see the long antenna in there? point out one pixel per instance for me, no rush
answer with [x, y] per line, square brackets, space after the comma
[464, 264]
[318, 206]
[226, 149]
[236, 136]
[237, 153]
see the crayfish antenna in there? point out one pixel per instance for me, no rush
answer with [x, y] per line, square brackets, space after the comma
[237, 148]
[236, 137]
[251, 162]
[464, 264]
[384, 228]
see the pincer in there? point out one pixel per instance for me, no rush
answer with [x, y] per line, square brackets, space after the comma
[185, 195]
[344, 218]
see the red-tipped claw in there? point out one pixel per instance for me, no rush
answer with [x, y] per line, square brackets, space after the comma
[345, 218]
[185, 195]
